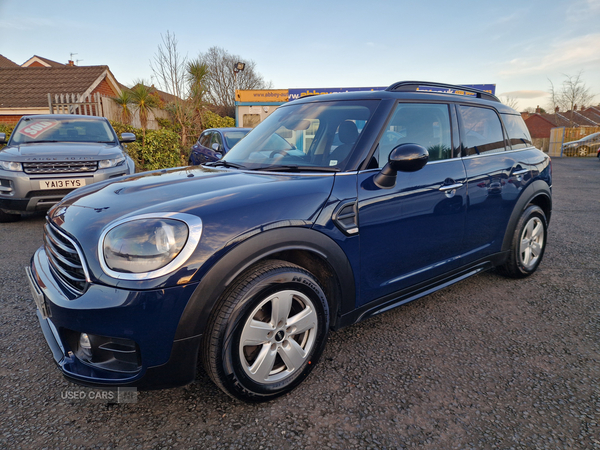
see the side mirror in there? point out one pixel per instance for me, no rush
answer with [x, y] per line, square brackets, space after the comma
[216, 147]
[2, 138]
[127, 137]
[404, 158]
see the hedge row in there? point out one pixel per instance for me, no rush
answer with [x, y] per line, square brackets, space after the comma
[162, 149]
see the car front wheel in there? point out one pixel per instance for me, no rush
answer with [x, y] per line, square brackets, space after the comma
[268, 332]
[528, 244]
[8, 217]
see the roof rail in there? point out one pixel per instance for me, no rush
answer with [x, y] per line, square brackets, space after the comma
[413, 86]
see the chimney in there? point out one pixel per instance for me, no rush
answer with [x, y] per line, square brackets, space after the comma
[574, 107]
[538, 110]
[71, 63]
[556, 110]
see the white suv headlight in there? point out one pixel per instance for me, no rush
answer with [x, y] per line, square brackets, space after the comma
[149, 245]
[106, 163]
[11, 165]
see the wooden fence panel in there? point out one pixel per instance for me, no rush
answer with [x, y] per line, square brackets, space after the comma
[75, 104]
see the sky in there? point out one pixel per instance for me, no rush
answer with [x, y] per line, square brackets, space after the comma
[518, 45]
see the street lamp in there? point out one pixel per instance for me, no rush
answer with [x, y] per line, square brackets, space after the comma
[237, 67]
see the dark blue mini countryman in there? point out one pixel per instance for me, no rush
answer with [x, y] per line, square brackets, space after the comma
[334, 209]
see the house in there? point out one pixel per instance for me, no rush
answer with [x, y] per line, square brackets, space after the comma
[540, 124]
[24, 89]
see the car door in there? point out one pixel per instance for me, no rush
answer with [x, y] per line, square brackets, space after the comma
[200, 148]
[495, 179]
[414, 230]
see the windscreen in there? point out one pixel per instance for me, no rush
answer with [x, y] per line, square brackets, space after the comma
[34, 129]
[308, 135]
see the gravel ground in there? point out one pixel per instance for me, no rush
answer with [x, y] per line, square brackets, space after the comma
[487, 363]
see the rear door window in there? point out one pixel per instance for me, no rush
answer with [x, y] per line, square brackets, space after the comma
[481, 130]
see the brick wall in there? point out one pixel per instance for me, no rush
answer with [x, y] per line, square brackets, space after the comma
[538, 127]
[104, 89]
[9, 120]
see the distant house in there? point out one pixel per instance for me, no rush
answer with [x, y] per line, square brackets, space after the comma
[24, 89]
[540, 124]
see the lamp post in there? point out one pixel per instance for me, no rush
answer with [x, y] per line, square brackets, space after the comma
[237, 67]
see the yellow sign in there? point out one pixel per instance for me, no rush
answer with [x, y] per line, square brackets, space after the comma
[261, 96]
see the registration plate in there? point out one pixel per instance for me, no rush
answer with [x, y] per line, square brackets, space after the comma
[38, 295]
[67, 183]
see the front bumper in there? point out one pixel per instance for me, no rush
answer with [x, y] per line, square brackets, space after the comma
[23, 192]
[148, 318]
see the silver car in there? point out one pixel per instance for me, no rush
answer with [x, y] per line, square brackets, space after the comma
[48, 156]
[585, 146]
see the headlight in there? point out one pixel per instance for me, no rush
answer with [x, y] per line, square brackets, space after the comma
[149, 245]
[12, 166]
[106, 163]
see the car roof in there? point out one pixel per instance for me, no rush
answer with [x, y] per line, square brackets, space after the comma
[62, 117]
[224, 129]
[418, 91]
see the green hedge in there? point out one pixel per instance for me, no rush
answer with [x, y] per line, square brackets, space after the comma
[8, 129]
[162, 149]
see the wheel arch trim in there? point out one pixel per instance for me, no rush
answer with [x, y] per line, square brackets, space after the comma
[537, 193]
[257, 248]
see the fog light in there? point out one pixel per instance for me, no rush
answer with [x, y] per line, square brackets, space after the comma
[85, 346]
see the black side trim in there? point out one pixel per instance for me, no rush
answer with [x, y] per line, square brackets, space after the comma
[412, 293]
[345, 217]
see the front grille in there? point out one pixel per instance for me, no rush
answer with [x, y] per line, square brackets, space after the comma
[60, 167]
[64, 259]
[49, 193]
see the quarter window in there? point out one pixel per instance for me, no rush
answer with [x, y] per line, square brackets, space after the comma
[481, 130]
[518, 134]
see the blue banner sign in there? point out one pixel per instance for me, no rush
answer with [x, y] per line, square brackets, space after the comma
[295, 94]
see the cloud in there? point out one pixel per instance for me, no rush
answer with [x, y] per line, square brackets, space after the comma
[524, 94]
[562, 55]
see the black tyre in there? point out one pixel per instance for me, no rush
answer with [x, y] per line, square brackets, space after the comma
[528, 244]
[8, 217]
[267, 333]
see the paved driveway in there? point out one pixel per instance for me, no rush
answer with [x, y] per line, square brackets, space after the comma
[488, 363]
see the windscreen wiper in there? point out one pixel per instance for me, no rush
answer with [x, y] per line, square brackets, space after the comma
[224, 163]
[296, 168]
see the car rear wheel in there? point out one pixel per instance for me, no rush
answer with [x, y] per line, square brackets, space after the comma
[268, 332]
[528, 244]
[8, 217]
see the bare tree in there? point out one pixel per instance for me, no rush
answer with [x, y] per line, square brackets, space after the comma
[510, 102]
[169, 67]
[222, 81]
[571, 94]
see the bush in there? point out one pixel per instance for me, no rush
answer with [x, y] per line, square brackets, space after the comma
[212, 120]
[8, 129]
[162, 149]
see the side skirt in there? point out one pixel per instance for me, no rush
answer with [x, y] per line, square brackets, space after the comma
[400, 298]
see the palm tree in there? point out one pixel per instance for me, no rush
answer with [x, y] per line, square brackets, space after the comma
[124, 99]
[144, 101]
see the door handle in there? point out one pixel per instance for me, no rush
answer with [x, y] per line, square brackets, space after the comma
[451, 187]
[520, 172]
